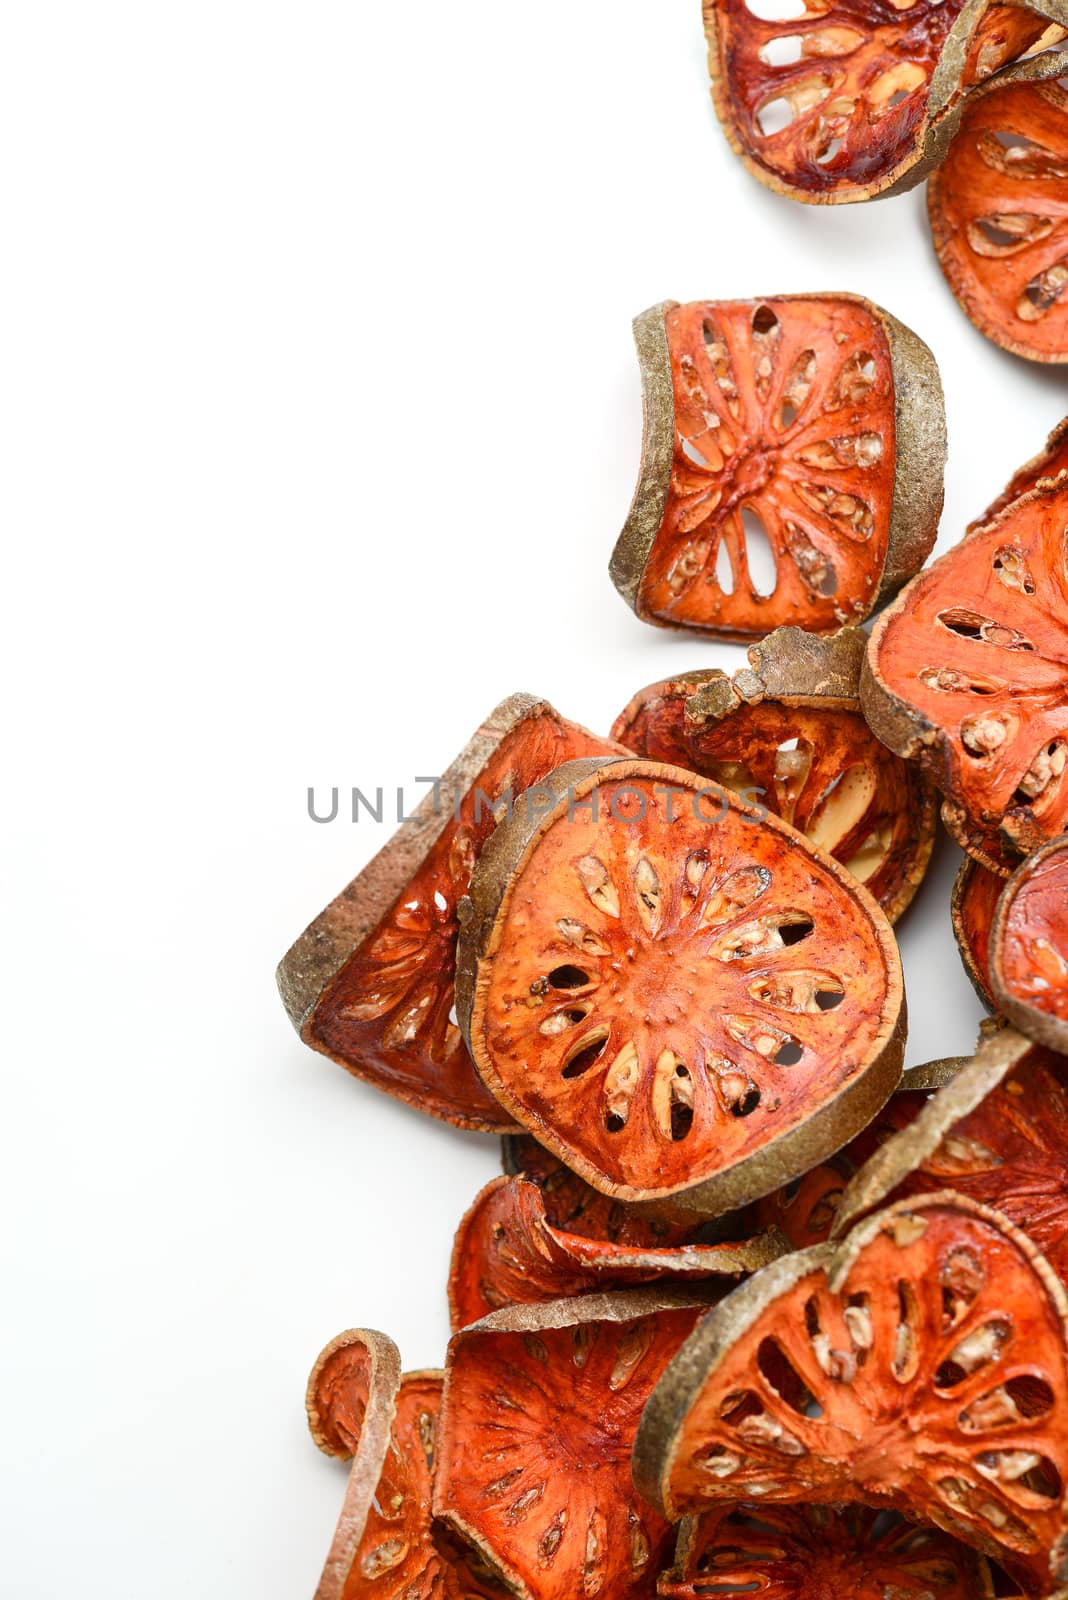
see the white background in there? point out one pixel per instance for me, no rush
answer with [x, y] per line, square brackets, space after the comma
[320, 417]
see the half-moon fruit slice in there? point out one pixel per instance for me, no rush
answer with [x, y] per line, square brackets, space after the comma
[792, 464]
[1050, 462]
[1028, 956]
[976, 892]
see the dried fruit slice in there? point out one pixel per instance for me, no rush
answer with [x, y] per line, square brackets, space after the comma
[1050, 461]
[541, 1406]
[816, 1552]
[359, 1406]
[837, 102]
[967, 672]
[975, 897]
[999, 216]
[788, 728]
[1028, 956]
[507, 1252]
[675, 998]
[997, 1133]
[919, 1365]
[370, 982]
[803, 434]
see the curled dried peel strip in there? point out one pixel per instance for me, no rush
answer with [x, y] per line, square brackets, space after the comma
[976, 892]
[1028, 953]
[541, 1405]
[998, 214]
[788, 730]
[684, 1006]
[808, 1552]
[810, 428]
[844, 102]
[967, 672]
[507, 1252]
[919, 1365]
[370, 982]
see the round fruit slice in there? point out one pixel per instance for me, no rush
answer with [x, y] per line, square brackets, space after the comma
[359, 1406]
[541, 1407]
[676, 998]
[788, 730]
[975, 897]
[370, 982]
[967, 672]
[919, 1365]
[999, 214]
[507, 1253]
[792, 464]
[1028, 958]
[816, 1552]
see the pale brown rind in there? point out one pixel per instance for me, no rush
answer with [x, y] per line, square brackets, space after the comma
[963, 885]
[658, 447]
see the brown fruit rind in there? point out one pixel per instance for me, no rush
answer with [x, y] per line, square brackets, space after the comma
[704, 1182]
[920, 456]
[931, 1315]
[1028, 955]
[976, 891]
[803, 692]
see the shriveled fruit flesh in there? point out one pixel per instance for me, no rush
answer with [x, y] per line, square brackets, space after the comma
[975, 896]
[999, 217]
[920, 1366]
[383, 1549]
[967, 672]
[574, 1207]
[507, 1252]
[848, 101]
[541, 1408]
[792, 464]
[821, 1553]
[675, 998]
[1050, 461]
[1029, 947]
[370, 982]
[787, 732]
[998, 1133]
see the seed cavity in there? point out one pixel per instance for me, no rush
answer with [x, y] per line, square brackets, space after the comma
[598, 885]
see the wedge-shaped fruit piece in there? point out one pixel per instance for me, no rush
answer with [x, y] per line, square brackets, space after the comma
[677, 999]
[361, 1409]
[999, 215]
[1028, 957]
[975, 897]
[1050, 462]
[507, 1252]
[788, 730]
[967, 672]
[792, 464]
[816, 1552]
[919, 1365]
[541, 1407]
[370, 982]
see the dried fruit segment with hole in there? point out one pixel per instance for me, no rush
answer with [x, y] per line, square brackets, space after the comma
[574, 1207]
[967, 672]
[792, 463]
[976, 892]
[370, 982]
[788, 731]
[998, 208]
[677, 999]
[919, 1365]
[507, 1252]
[835, 102]
[541, 1407]
[360, 1407]
[818, 1552]
[1028, 958]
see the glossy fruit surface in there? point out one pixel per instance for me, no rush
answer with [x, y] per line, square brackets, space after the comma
[1028, 955]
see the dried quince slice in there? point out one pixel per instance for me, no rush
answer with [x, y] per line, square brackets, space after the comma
[370, 982]
[920, 1364]
[507, 1252]
[998, 211]
[677, 998]
[831, 103]
[799, 1552]
[541, 1407]
[361, 1408]
[967, 672]
[792, 462]
[788, 728]
[975, 896]
[1028, 955]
